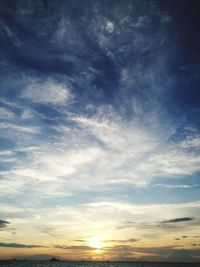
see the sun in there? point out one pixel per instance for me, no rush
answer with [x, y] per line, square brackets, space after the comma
[96, 242]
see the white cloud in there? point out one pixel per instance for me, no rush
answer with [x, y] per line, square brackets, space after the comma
[102, 150]
[185, 186]
[19, 128]
[135, 208]
[49, 92]
[110, 26]
[6, 113]
[135, 153]
[191, 142]
[51, 163]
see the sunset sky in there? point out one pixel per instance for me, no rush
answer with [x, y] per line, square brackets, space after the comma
[100, 129]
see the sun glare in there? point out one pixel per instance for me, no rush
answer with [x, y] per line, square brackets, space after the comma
[96, 243]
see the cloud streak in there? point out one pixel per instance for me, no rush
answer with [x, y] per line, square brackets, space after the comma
[178, 220]
[131, 240]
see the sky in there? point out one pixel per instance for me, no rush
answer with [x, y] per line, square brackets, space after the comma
[100, 130]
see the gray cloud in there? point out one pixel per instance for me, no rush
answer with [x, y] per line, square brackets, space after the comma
[16, 245]
[177, 220]
[3, 223]
[182, 237]
[186, 236]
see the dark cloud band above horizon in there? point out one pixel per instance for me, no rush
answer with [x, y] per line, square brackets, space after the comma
[16, 245]
[177, 220]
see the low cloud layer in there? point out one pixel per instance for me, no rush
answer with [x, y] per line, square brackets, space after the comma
[131, 240]
[16, 245]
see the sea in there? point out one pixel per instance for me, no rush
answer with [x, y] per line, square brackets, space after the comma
[93, 264]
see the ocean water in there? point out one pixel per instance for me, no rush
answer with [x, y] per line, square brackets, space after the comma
[93, 264]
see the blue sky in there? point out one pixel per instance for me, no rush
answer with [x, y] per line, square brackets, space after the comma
[99, 108]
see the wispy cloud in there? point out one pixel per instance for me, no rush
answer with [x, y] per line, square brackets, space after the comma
[20, 128]
[131, 240]
[47, 92]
